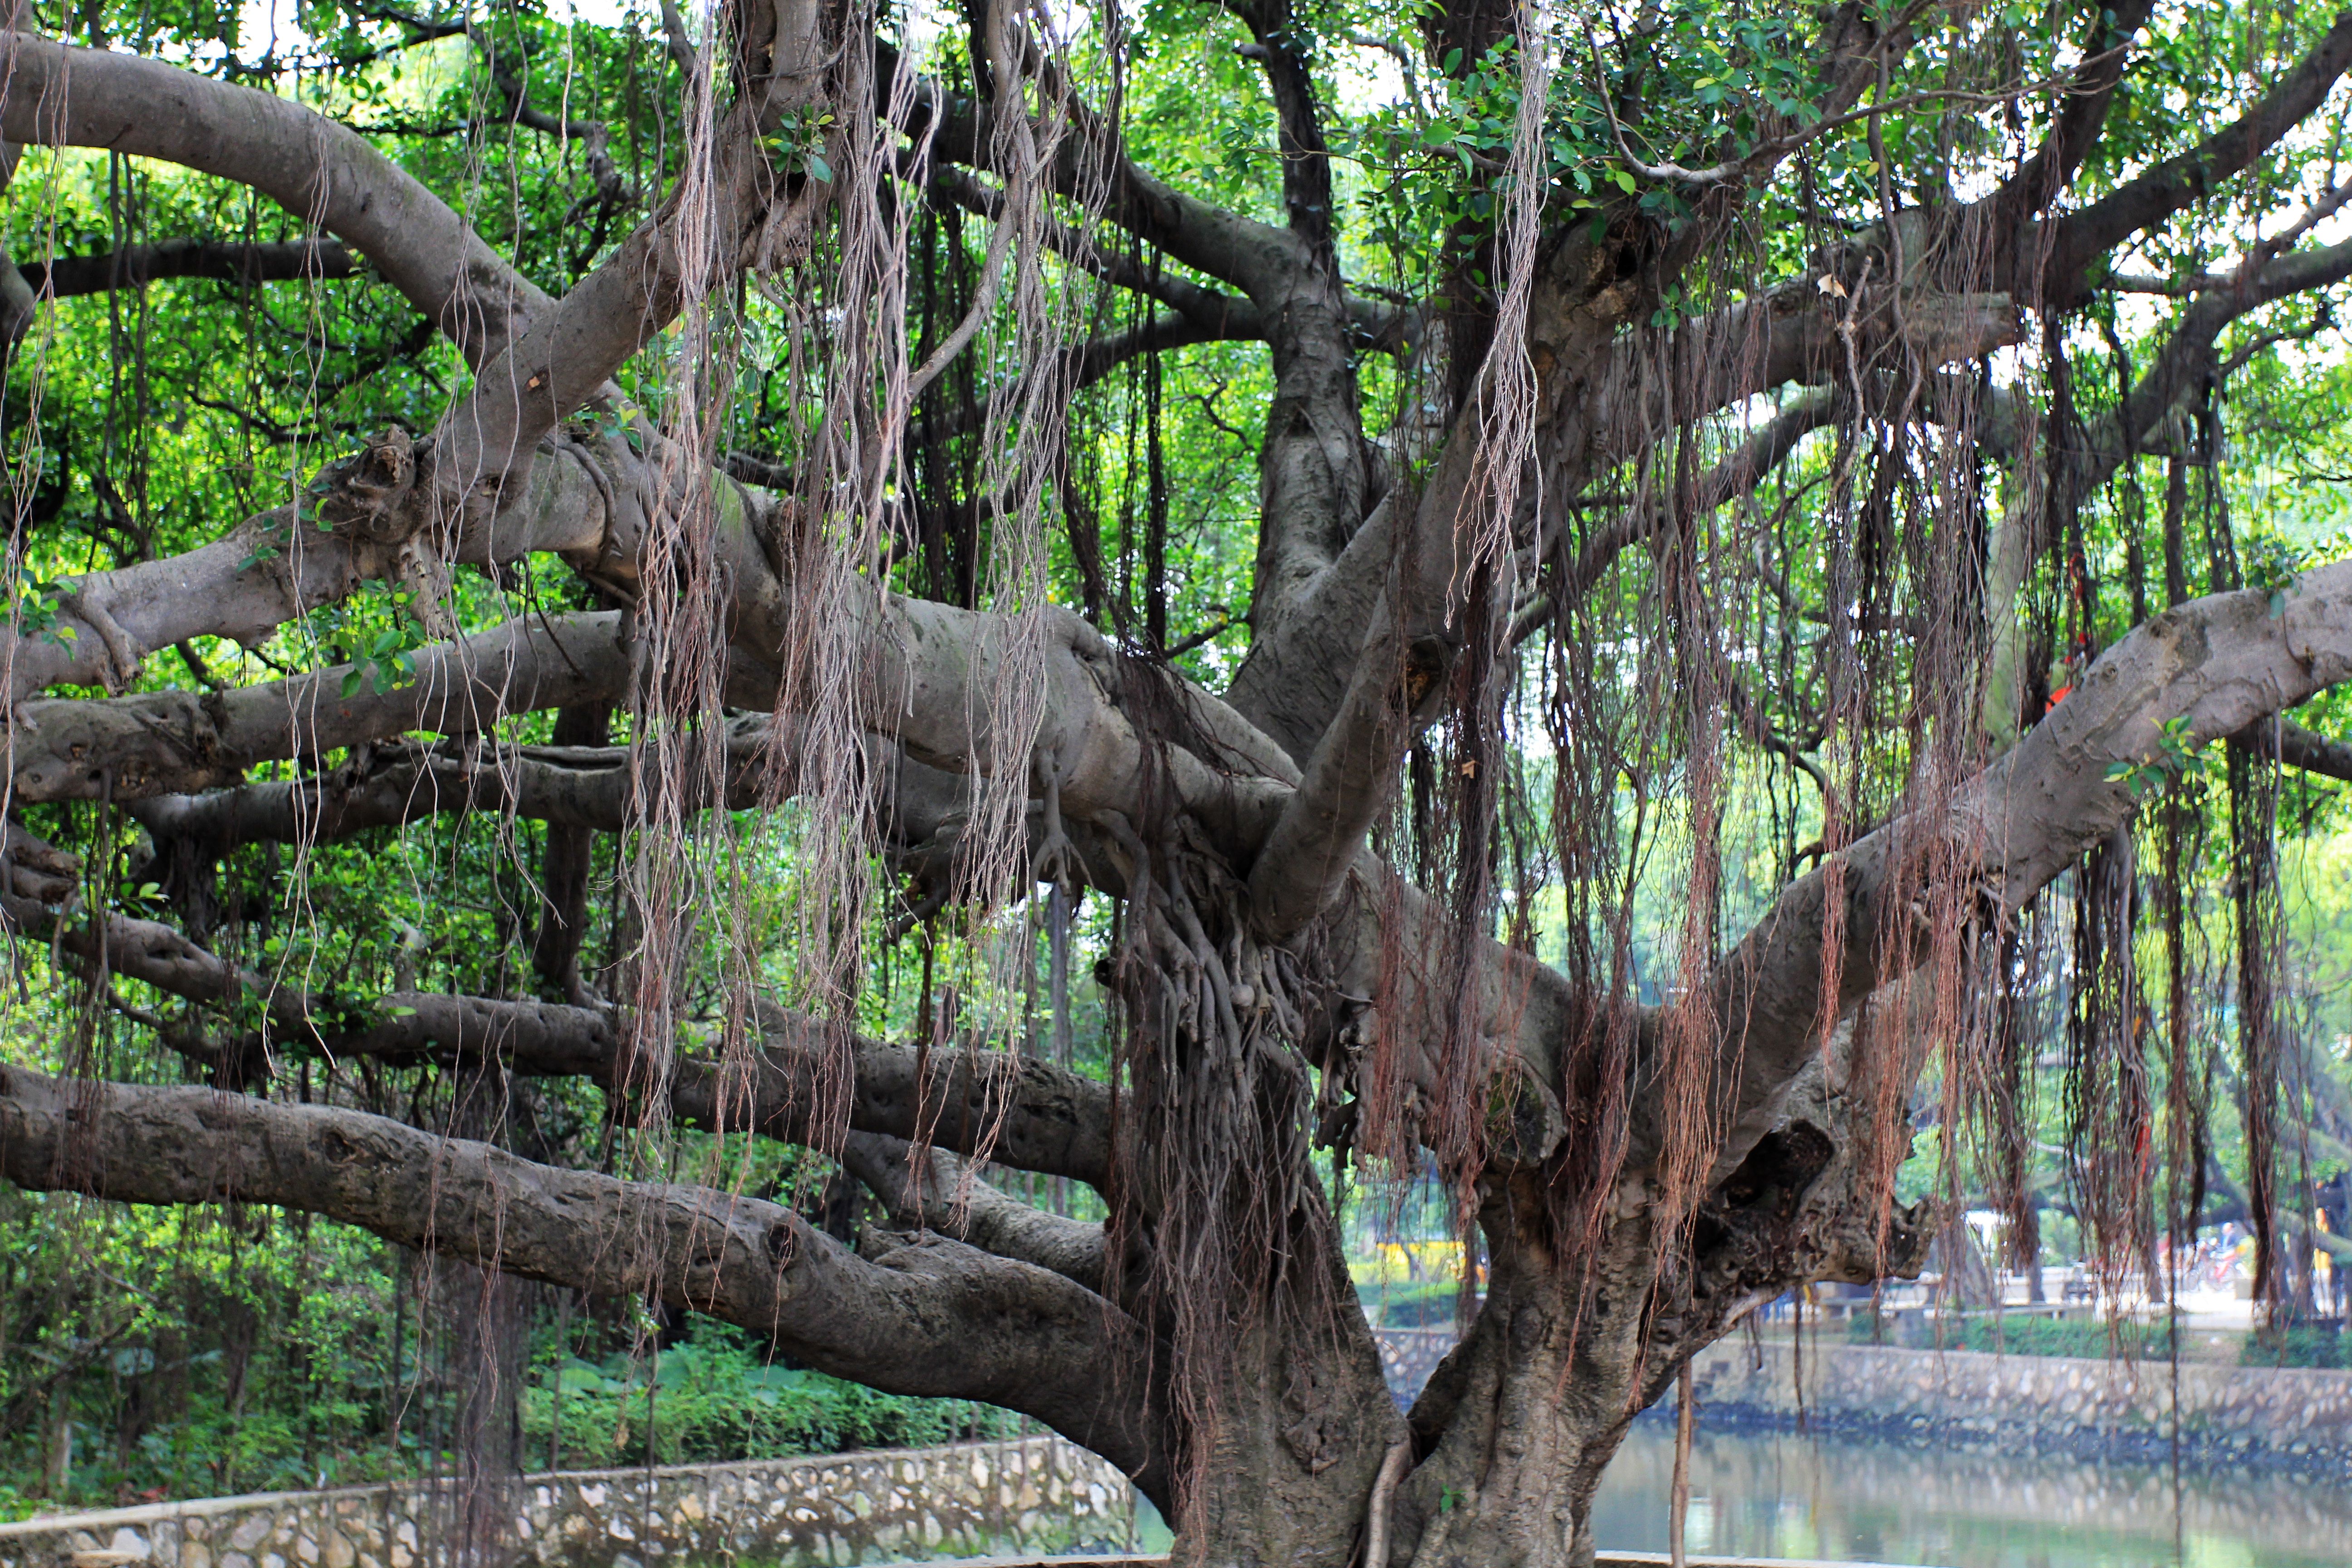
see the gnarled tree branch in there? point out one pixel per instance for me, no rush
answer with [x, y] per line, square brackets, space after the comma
[937, 1318]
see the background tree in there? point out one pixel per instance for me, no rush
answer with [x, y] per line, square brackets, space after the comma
[590, 597]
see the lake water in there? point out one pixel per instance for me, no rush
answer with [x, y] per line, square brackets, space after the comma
[1781, 1494]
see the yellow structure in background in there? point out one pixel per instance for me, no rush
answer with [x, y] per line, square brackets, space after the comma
[1408, 1263]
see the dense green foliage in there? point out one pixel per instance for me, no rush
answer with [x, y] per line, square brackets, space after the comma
[218, 1349]
[715, 1397]
[199, 1353]
[2323, 1349]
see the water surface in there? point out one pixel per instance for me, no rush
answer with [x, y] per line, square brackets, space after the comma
[1850, 1500]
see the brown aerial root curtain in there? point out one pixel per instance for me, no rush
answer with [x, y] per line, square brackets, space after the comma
[1578, 632]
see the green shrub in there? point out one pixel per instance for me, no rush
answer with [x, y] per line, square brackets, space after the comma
[717, 1399]
[2095, 1338]
[2295, 1347]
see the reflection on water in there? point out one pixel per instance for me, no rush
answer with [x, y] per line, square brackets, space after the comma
[1847, 1500]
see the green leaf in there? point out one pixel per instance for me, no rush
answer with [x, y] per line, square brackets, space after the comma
[776, 1377]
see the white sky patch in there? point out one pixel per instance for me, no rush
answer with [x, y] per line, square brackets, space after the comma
[271, 26]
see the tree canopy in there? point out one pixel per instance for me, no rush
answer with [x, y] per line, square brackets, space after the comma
[1114, 628]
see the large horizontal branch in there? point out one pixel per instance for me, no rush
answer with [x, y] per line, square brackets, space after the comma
[586, 498]
[2220, 663]
[921, 814]
[59, 95]
[2284, 740]
[810, 1079]
[925, 661]
[938, 1192]
[937, 1318]
[169, 742]
[1797, 332]
[927, 657]
[803, 1086]
[38, 895]
[409, 782]
[161, 955]
[228, 261]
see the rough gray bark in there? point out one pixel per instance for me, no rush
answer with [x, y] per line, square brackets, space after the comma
[933, 1317]
[2220, 662]
[125, 748]
[228, 261]
[1360, 623]
[932, 1190]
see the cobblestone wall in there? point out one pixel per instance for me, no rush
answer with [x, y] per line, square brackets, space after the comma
[2303, 1419]
[1039, 1495]
[1409, 1355]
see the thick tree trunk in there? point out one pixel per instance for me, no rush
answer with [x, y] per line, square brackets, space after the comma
[1518, 1422]
[1508, 1441]
[1296, 1419]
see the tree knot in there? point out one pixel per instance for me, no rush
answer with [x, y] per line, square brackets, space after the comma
[365, 496]
[1427, 662]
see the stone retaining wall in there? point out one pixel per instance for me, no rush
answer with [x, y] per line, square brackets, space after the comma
[1409, 1355]
[2302, 1419]
[1039, 1495]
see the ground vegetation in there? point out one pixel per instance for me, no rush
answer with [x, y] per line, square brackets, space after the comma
[1131, 630]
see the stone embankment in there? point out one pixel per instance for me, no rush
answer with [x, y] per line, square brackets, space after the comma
[1035, 1496]
[2296, 1420]
[1409, 1355]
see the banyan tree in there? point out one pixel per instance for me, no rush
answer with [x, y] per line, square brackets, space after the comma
[1573, 603]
